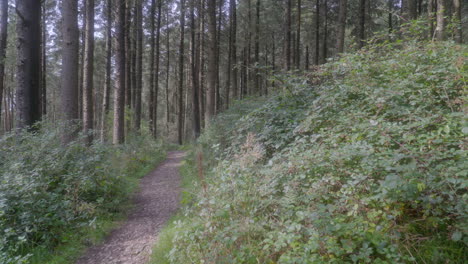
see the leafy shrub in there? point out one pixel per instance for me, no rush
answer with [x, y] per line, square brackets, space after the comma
[361, 161]
[47, 189]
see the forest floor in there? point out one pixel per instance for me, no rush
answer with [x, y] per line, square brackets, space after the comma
[156, 201]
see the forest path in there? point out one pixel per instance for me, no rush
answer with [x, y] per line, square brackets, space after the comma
[156, 201]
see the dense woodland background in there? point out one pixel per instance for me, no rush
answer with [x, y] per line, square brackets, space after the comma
[175, 64]
[318, 131]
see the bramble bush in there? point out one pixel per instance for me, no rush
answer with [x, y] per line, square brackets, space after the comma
[48, 191]
[360, 161]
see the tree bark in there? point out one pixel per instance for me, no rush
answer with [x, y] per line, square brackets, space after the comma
[43, 62]
[157, 65]
[28, 63]
[151, 66]
[212, 58]
[430, 15]
[325, 32]
[3, 45]
[180, 123]
[107, 82]
[119, 95]
[440, 28]
[139, 64]
[70, 53]
[235, 86]
[317, 32]
[298, 35]
[362, 23]
[456, 7]
[168, 64]
[128, 55]
[341, 26]
[288, 34]
[195, 72]
[257, 49]
[88, 73]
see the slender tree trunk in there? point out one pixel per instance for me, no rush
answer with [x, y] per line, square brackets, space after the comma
[3, 45]
[233, 43]
[195, 72]
[44, 63]
[430, 15]
[88, 72]
[440, 29]
[151, 66]
[139, 64]
[342, 26]
[202, 93]
[307, 61]
[298, 34]
[362, 23]
[128, 55]
[325, 32]
[168, 68]
[181, 72]
[317, 33]
[257, 49]
[218, 45]
[456, 7]
[390, 16]
[156, 73]
[70, 51]
[107, 84]
[212, 58]
[119, 95]
[288, 34]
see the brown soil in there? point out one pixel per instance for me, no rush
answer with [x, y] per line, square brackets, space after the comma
[155, 203]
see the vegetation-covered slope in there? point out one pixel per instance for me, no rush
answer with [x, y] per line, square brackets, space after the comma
[363, 160]
[55, 200]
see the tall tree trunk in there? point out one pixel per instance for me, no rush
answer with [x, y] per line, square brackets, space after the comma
[119, 95]
[218, 51]
[70, 51]
[202, 77]
[180, 123]
[317, 33]
[81, 52]
[456, 7]
[107, 82]
[307, 61]
[139, 64]
[43, 62]
[212, 58]
[88, 72]
[288, 34]
[298, 35]
[257, 49]
[342, 26]
[151, 66]
[362, 23]
[390, 16]
[430, 15]
[168, 64]
[3, 45]
[195, 72]
[325, 32]
[157, 65]
[128, 55]
[233, 11]
[440, 29]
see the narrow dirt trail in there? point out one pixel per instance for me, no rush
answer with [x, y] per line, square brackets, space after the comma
[156, 201]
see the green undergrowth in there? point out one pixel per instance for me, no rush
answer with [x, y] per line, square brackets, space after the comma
[192, 183]
[362, 160]
[56, 201]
